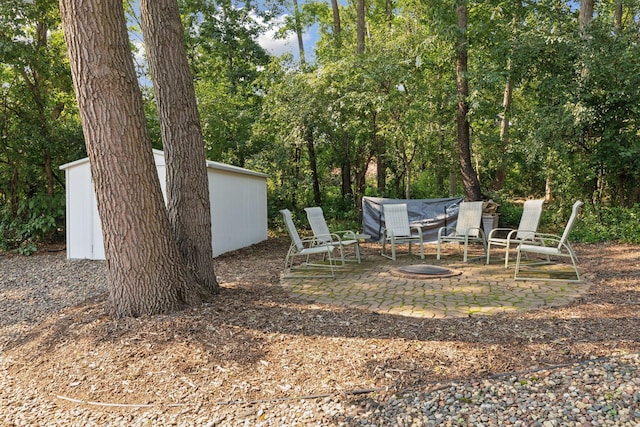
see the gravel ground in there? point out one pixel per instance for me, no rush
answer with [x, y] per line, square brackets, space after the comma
[604, 392]
[598, 392]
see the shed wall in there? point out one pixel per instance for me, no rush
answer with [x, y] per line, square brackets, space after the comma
[238, 208]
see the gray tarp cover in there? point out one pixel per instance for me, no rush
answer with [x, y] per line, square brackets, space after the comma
[431, 214]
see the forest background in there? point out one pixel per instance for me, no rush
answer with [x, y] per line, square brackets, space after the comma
[553, 107]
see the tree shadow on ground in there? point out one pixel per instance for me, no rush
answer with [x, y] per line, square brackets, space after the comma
[256, 340]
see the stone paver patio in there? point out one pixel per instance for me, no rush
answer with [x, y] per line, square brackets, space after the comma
[479, 289]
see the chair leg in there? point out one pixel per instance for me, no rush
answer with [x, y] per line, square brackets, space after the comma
[506, 255]
[438, 249]
[466, 249]
[484, 245]
[515, 274]
[384, 252]
[488, 252]
[331, 265]
[384, 245]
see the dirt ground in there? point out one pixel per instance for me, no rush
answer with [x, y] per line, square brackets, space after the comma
[256, 343]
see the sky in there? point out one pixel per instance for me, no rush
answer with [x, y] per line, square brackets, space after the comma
[267, 40]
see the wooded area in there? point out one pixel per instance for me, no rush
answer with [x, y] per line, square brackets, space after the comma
[488, 99]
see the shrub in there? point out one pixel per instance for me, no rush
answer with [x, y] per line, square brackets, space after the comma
[40, 219]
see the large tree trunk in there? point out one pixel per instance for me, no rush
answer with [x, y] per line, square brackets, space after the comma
[469, 178]
[145, 271]
[187, 182]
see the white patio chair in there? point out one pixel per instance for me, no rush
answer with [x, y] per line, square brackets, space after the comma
[397, 230]
[526, 230]
[467, 229]
[550, 245]
[325, 237]
[307, 247]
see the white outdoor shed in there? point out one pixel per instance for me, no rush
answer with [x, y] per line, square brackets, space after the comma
[238, 200]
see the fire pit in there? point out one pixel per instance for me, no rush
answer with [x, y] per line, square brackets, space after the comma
[424, 271]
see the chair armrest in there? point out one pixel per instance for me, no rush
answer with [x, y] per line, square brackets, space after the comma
[531, 235]
[441, 229]
[496, 230]
[479, 229]
[544, 239]
[313, 241]
[326, 239]
[346, 234]
[416, 227]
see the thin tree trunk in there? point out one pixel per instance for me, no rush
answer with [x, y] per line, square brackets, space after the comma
[586, 15]
[504, 130]
[48, 171]
[145, 271]
[188, 202]
[380, 154]
[14, 184]
[346, 170]
[299, 32]
[336, 23]
[296, 175]
[617, 17]
[360, 27]
[469, 178]
[407, 180]
[441, 164]
[313, 165]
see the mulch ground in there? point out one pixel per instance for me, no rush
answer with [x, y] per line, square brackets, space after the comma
[255, 342]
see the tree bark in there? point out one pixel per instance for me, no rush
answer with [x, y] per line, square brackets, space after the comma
[145, 271]
[504, 129]
[313, 165]
[585, 16]
[296, 11]
[297, 157]
[345, 168]
[469, 178]
[360, 27]
[188, 202]
[336, 23]
[617, 17]
[380, 155]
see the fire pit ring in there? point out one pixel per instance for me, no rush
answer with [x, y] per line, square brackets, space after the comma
[424, 271]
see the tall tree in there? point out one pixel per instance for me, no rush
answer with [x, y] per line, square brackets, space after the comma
[469, 178]
[335, 11]
[39, 125]
[145, 271]
[226, 60]
[360, 26]
[298, 28]
[617, 16]
[187, 182]
[586, 14]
